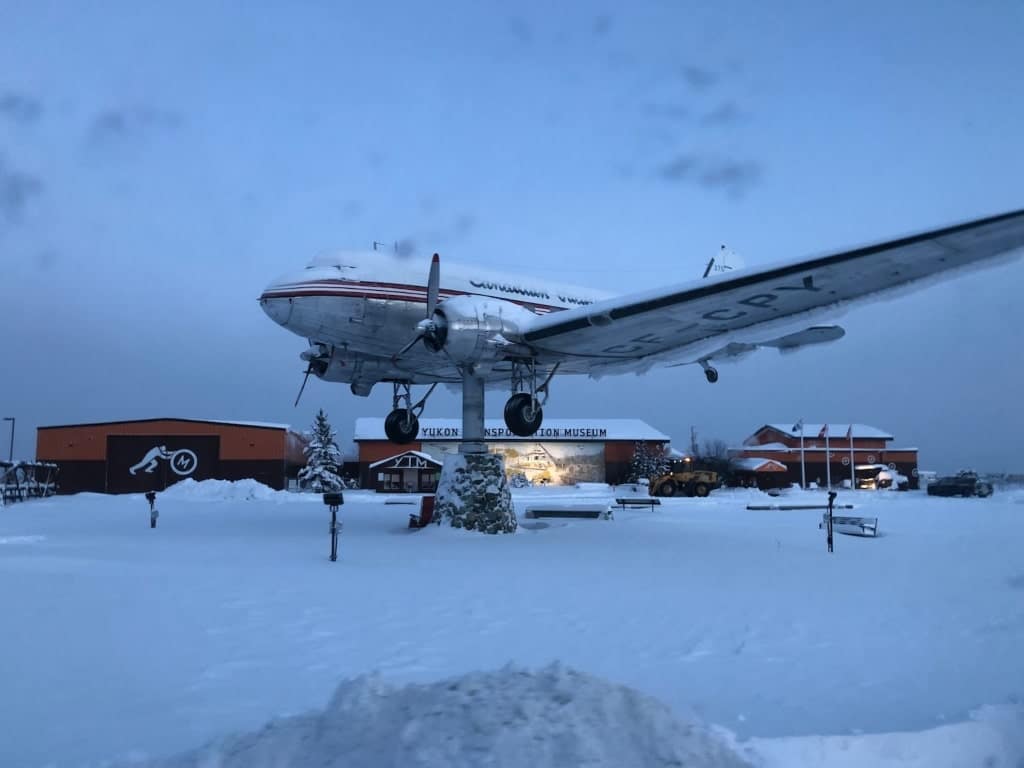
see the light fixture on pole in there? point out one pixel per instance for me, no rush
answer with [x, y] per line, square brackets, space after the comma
[828, 456]
[853, 476]
[10, 456]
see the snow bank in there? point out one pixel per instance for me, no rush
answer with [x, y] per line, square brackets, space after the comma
[994, 737]
[222, 490]
[511, 718]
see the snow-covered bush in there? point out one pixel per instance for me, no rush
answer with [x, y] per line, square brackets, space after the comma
[519, 480]
[323, 458]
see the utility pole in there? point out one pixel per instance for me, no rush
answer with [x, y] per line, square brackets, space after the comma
[10, 456]
[693, 442]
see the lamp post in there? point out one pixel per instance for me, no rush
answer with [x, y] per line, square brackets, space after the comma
[803, 470]
[10, 456]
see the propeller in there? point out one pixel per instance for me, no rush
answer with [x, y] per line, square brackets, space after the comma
[428, 329]
[319, 358]
[302, 389]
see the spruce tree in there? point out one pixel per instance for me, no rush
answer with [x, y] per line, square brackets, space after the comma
[647, 463]
[323, 458]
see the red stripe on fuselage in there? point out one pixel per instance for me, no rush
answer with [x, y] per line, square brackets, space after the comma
[385, 291]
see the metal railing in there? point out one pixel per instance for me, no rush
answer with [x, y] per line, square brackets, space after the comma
[23, 480]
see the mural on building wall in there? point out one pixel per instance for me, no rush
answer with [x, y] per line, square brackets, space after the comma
[542, 463]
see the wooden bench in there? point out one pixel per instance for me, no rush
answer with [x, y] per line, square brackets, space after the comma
[584, 511]
[426, 514]
[852, 526]
[639, 501]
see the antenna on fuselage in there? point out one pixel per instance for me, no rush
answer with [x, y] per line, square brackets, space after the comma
[394, 246]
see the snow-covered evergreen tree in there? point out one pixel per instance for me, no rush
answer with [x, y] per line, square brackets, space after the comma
[323, 458]
[647, 462]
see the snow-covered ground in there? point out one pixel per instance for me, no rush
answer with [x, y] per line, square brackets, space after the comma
[118, 641]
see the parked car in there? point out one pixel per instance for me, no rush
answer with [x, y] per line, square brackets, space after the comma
[877, 477]
[963, 483]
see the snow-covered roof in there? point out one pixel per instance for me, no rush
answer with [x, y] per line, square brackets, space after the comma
[838, 444]
[447, 430]
[417, 454]
[759, 465]
[264, 424]
[835, 429]
[259, 424]
[781, 447]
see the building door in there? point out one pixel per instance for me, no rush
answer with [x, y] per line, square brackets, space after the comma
[138, 463]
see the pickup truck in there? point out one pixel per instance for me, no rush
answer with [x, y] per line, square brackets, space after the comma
[964, 483]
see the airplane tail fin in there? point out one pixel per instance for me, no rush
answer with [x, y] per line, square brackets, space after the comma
[726, 260]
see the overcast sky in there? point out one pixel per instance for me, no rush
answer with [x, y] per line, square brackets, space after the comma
[160, 165]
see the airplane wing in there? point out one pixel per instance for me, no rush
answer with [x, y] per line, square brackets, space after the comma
[765, 306]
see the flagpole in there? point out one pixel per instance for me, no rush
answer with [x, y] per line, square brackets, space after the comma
[853, 477]
[803, 470]
[828, 461]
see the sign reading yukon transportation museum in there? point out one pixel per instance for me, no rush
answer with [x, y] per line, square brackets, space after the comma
[551, 433]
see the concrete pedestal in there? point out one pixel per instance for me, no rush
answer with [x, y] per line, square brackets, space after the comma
[473, 494]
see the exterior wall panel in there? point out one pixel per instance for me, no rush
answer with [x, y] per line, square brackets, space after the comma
[617, 456]
[98, 457]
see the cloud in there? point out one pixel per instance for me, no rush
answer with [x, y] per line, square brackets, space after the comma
[699, 78]
[128, 123]
[351, 209]
[520, 29]
[679, 169]
[734, 176]
[464, 224]
[667, 111]
[17, 190]
[726, 112]
[20, 107]
[405, 247]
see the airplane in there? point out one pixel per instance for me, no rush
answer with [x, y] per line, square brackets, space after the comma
[367, 322]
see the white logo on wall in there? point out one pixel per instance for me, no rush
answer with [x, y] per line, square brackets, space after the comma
[183, 461]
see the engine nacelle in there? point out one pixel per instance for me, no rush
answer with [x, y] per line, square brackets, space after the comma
[473, 329]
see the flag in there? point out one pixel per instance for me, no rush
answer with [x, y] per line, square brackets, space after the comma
[824, 431]
[798, 427]
[849, 433]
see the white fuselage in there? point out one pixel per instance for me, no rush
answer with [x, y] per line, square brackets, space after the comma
[362, 308]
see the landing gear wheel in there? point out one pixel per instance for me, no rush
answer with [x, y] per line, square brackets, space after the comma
[401, 426]
[700, 490]
[711, 375]
[521, 416]
[668, 488]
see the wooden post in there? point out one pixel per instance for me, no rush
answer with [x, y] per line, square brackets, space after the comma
[831, 499]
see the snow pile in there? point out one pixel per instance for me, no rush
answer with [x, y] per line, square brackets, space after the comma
[221, 490]
[993, 737]
[511, 718]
